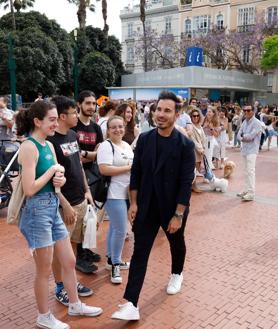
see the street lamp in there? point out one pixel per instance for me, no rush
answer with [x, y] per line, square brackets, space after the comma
[75, 66]
[12, 69]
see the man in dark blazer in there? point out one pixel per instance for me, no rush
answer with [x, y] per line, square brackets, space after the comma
[160, 190]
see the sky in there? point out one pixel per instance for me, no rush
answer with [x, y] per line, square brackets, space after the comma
[67, 18]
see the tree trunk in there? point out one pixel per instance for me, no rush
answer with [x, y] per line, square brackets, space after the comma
[104, 15]
[143, 19]
[13, 16]
[81, 14]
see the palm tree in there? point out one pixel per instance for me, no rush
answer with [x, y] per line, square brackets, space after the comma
[83, 5]
[18, 5]
[104, 15]
[143, 20]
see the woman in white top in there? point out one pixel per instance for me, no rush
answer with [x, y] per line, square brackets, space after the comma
[115, 160]
[105, 112]
[220, 149]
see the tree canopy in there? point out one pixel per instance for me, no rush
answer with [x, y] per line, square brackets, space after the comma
[270, 56]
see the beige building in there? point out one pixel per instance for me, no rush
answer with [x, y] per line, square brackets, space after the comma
[239, 15]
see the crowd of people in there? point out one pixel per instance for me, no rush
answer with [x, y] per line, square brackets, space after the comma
[152, 153]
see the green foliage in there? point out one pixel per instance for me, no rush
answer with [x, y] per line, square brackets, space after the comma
[96, 72]
[270, 56]
[18, 4]
[43, 54]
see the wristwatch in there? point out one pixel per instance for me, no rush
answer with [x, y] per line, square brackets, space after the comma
[178, 215]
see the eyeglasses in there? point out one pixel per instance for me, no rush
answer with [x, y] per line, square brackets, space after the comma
[71, 113]
[247, 110]
[115, 127]
[196, 116]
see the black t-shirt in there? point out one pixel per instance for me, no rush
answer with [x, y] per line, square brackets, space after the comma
[88, 137]
[67, 152]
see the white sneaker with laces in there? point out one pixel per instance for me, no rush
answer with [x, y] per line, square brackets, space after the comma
[79, 308]
[241, 194]
[48, 321]
[247, 197]
[174, 285]
[127, 312]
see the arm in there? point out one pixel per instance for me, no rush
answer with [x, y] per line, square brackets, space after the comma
[88, 194]
[8, 123]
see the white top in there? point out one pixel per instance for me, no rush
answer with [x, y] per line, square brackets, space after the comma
[102, 122]
[118, 188]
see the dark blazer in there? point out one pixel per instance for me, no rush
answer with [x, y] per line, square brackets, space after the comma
[171, 178]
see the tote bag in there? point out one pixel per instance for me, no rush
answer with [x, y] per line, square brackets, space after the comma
[16, 203]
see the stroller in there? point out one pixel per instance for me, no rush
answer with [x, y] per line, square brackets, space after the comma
[9, 169]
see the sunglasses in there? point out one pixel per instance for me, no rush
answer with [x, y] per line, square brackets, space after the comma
[247, 110]
[196, 116]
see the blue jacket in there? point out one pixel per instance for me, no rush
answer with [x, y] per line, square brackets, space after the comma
[171, 179]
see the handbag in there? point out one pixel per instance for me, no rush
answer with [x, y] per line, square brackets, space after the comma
[98, 183]
[209, 175]
[15, 204]
[90, 226]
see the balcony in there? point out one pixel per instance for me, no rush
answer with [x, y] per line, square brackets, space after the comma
[246, 28]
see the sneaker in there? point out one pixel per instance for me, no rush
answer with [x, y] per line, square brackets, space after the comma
[174, 285]
[84, 267]
[248, 197]
[91, 256]
[79, 308]
[127, 312]
[241, 194]
[83, 291]
[50, 322]
[116, 274]
[123, 265]
[62, 297]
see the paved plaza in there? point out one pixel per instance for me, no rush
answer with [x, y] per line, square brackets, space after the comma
[230, 275]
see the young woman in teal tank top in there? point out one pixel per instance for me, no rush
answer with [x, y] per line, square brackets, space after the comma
[40, 220]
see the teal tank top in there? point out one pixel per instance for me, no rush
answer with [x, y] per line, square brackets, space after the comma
[45, 161]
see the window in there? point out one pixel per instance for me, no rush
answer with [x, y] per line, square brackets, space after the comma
[187, 26]
[246, 17]
[168, 25]
[220, 22]
[246, 55]
[130, 55]
[130, 30]
[270, 79]
[201, 23]
[272, 15]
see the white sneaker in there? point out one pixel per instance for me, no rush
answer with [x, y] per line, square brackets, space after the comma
[123, 266]
[248, 197]
[127, 312]
[79, 308]
[50, 322]
[241, 194]
[174, 285]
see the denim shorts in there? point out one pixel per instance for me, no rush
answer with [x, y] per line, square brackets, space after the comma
[40, 221]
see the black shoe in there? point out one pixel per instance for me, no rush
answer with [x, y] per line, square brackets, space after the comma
[85, 267]
[91, 256]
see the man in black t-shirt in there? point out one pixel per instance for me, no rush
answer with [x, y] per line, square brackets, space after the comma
[74, 194]
[89, 135]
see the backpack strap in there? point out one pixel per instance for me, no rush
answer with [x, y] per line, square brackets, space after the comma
[113, 150]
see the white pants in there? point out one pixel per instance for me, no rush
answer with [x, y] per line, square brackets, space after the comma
[250, 173]
[209, 146]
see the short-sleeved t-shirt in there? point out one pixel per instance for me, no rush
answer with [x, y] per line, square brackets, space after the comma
[118, 188]
[5, 132]
[183, 120]
[102, 122]
[88, 137]
[67, 152]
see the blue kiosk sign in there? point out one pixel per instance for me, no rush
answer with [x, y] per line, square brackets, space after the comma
[194, 56]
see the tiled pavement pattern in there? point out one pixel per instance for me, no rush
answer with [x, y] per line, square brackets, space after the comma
[230, 274]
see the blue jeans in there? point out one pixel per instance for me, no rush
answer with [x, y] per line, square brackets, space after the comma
[40, 221]
[117, 212]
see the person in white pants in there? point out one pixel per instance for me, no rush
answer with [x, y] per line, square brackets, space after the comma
[249, 134]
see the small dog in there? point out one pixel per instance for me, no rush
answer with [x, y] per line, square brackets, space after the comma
[219, 184]
[229, 168]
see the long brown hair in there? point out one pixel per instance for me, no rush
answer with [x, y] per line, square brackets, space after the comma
[215, 119]
[129, 129]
